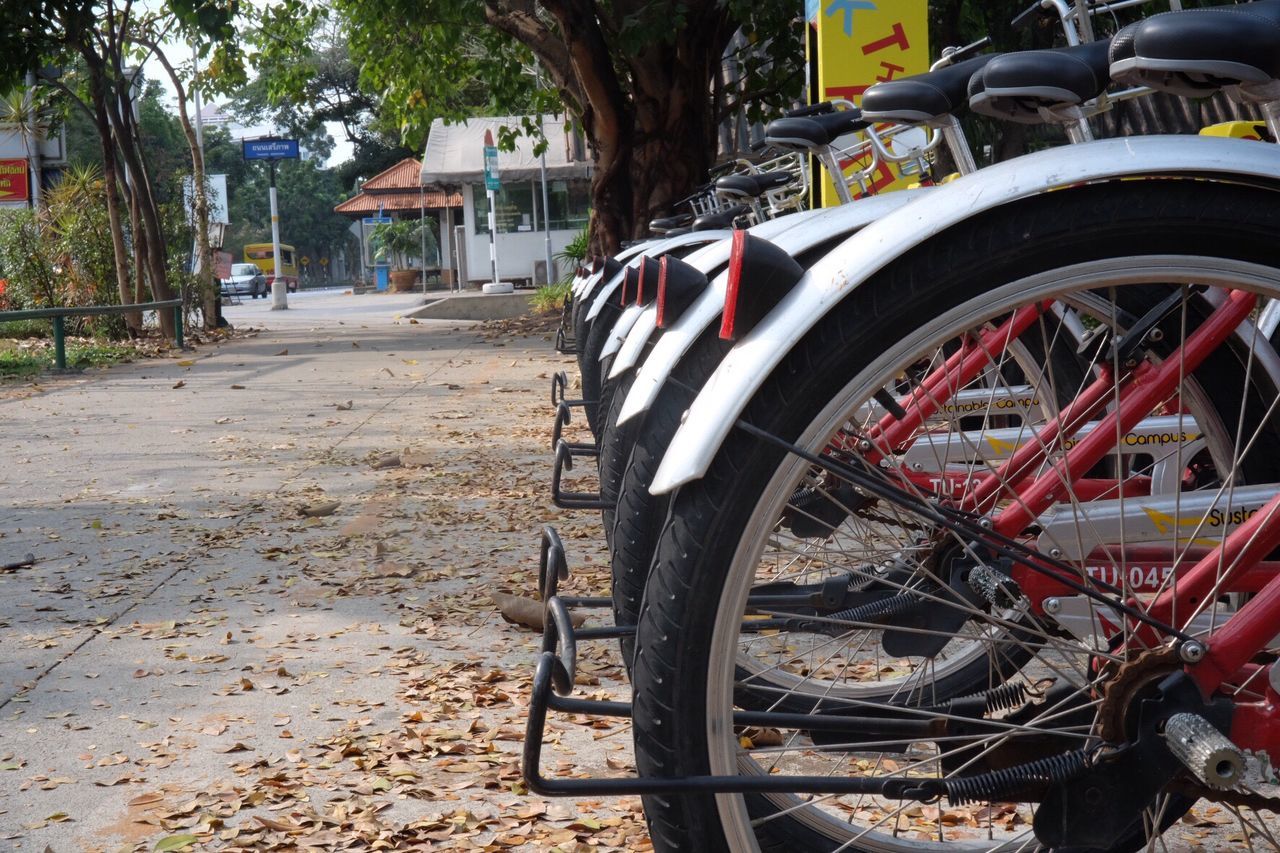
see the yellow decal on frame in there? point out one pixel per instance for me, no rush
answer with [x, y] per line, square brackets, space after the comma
[861, 43]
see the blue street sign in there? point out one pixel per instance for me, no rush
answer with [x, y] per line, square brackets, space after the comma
[377, 220]
[270, 149]
[491, 181]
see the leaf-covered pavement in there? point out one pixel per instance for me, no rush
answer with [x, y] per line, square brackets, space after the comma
[195, 662]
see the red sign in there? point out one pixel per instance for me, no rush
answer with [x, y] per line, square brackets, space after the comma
[13, 180]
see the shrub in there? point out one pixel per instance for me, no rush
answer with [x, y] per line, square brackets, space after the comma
[551, 297]
[574, 253]
[26, 262]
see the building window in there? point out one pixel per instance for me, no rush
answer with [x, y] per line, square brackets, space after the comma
[569, 201]
[570, 204]
[514, 207]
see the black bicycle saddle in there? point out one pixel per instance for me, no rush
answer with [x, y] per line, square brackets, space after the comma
[923, 98]
[1198, 51]
[1016, 85]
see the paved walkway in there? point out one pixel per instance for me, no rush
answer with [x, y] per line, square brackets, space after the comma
[192, 661]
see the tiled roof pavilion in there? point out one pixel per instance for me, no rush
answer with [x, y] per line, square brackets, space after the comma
[395, 190]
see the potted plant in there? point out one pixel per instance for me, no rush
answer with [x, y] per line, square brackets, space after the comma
[403, 241]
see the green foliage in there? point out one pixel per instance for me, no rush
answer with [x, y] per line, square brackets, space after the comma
[20, 363]
[575, 250]
[428, 60]
[306, 77]
[25, 262]
[15, 362]
[36, 30]
[573, 254]
[63, 255]
[18, 329]
[78, 232]
[163, 144]
[551, 297]
[403, 240]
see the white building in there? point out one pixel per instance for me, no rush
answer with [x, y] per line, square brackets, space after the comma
[454, 161]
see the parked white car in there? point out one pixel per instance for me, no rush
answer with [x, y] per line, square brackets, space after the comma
[245, 279]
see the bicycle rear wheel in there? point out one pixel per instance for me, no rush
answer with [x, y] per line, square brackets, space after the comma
[1108, 253]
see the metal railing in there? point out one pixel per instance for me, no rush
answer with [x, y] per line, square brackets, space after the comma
[59, 315]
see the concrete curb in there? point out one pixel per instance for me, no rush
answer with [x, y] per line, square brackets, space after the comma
[473, 306]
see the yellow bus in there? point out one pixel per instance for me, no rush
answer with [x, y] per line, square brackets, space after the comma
[263, 255]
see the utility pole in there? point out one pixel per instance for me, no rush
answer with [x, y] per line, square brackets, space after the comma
[273, 150]
[546, 210]
[422, 233]
[491, 183]
[279, 287]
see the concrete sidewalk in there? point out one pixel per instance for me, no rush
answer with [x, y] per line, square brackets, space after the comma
[191, 656]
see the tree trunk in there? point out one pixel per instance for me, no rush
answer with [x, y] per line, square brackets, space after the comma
[139, 243]
[209, 293]
[648, 117]
[120, 252]
[676, 132]
[151, 235]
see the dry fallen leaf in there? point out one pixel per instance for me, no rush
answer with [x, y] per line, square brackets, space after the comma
[520, 610]
[283, 352]
[179, 383]
[320, 510]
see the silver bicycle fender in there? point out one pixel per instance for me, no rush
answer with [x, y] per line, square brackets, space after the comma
[745, 368]
[675, 342]
[590, 281]
[584, 284]
[706, 259]
[633, 346]
[621, 326]
[654, 250]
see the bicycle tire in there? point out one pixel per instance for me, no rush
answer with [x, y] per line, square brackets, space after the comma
[678, 662]
[590, 368]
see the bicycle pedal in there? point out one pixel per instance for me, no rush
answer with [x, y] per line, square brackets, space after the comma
[1206, 752]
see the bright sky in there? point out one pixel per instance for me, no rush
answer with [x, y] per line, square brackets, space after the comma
[178, 53]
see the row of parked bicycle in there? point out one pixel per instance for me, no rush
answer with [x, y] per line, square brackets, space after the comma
[948, 516]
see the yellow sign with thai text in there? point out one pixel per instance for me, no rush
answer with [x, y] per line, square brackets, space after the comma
[860, 43]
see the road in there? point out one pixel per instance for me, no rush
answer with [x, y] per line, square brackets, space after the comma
[326, 307]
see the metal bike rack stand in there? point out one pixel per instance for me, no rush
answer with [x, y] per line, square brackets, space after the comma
[559, 384]
[563, 417]
[565, 345]
[572, 500]
[553, 568]
[553, 683]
